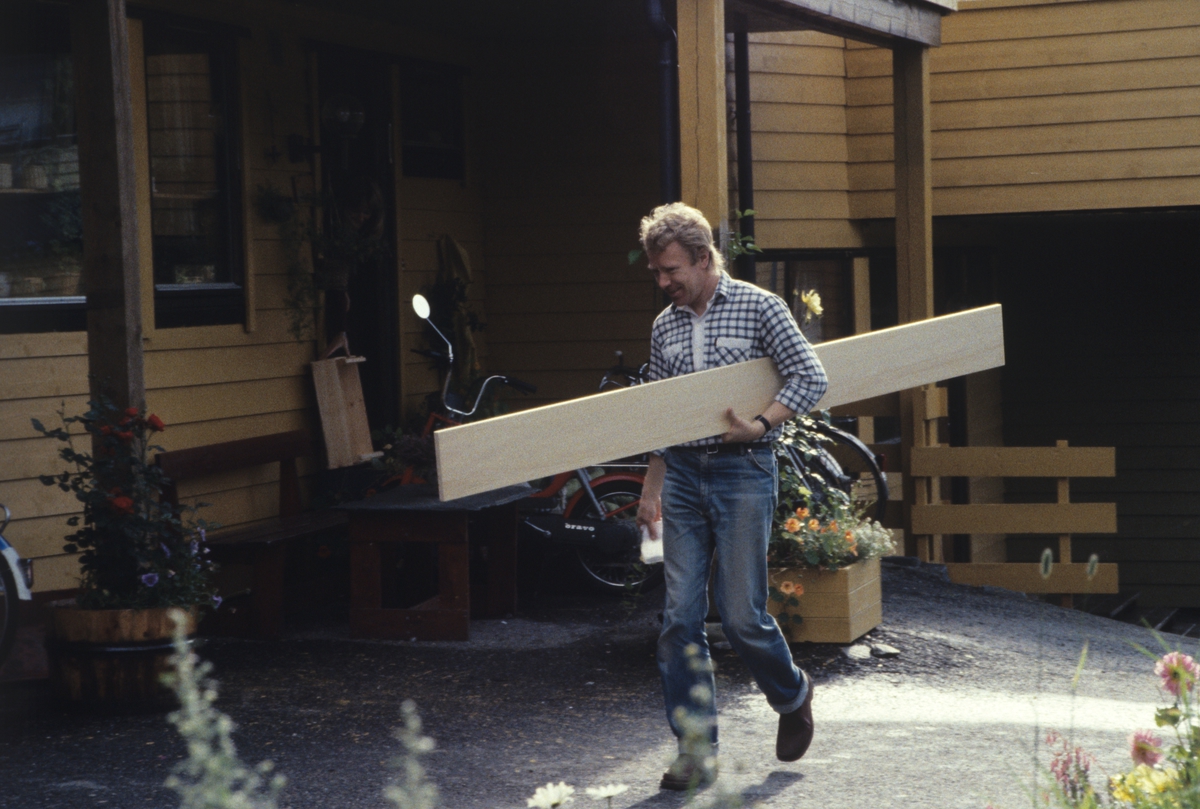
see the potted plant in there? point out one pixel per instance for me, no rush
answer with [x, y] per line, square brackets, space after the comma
[823, 556]
[139, 556]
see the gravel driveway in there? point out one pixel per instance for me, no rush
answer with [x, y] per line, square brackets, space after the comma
[569, 691]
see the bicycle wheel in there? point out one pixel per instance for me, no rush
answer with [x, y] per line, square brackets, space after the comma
[9, 610]
[847, 464]
[615, 572]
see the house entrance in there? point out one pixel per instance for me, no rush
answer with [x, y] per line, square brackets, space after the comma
[358, 266]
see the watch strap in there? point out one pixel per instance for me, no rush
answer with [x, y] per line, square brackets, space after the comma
[766, 424]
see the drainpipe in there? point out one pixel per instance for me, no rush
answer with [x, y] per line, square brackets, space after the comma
[668, 106]
[745, 155]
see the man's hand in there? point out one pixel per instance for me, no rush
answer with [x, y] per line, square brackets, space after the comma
[650, 507]
[742, 431]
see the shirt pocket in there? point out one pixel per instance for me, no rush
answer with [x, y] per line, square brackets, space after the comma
[675, 355]
[732, 350]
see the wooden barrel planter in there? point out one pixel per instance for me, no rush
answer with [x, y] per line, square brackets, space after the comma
[829, 607]
[112, 661]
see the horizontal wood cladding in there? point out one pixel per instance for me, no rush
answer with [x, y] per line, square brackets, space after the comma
[798, 115]
[1073, 106]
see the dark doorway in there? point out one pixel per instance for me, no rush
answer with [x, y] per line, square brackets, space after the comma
[358, 198]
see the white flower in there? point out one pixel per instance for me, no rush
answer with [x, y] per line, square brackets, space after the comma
[551, 795]
[610, 791]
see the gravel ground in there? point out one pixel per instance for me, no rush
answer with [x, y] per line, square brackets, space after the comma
[569, 691]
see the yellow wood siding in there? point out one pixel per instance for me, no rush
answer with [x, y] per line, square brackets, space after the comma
[799, 119]
[1076, 106]
[221, 383]
[566, 187]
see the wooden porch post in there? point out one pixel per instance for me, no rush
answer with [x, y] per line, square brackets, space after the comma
[914, 234]
[104, 114]
[704, 157]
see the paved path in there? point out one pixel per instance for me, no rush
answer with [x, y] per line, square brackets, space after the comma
[569, 691]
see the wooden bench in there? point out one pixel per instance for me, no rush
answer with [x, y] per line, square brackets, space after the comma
[262, 544]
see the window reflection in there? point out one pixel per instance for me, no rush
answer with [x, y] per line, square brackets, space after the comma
[40, 228]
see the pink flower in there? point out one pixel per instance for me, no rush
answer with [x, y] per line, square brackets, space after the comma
[1178, 672]
[1145, 748]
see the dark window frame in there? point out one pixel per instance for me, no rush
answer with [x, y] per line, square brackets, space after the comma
[219, 303]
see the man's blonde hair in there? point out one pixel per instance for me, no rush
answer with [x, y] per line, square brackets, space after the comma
[683, 225]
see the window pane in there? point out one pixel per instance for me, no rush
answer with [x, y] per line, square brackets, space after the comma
[40, 228]
[185, 123]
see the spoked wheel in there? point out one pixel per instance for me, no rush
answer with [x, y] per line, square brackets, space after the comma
[615, 572]
[8, 611]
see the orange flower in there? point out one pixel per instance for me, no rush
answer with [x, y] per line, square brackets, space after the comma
[122, 505]
[813, 525]
[799, 589]
[850, 537]
[787, 587]
[155, 423]
[802, 512]
[833, 526]
[792, 525]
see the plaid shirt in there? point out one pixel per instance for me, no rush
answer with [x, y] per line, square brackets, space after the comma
[742, 322]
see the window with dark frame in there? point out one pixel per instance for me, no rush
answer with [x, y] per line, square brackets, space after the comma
[41, 240]
[195, 200]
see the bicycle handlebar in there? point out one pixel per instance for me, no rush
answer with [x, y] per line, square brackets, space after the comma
[518, 384]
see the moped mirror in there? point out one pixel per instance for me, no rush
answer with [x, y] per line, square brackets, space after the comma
[421, 306]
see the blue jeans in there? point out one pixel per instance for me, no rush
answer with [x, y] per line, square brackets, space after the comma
[720, 504]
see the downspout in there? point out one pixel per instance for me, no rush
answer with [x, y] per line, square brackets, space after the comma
[745, 154]
[668, 106]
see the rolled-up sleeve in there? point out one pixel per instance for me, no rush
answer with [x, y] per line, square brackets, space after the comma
[794, 356]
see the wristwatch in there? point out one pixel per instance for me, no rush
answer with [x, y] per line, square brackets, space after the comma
[763, 421]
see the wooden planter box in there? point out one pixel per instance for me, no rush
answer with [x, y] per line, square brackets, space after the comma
[836, 607]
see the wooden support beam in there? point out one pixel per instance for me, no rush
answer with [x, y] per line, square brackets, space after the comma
[108, 189]
[1014, 462]
[914, 181]
[1016, 518]
[704, 158]
[568, 435]
[1026, 577]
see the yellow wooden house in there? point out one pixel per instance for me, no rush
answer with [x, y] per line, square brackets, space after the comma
[535, 135]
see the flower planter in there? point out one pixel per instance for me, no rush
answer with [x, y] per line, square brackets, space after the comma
[111, 661]
[835, 607]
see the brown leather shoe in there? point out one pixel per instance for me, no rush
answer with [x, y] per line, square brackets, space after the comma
[796, 729]
[688, 772]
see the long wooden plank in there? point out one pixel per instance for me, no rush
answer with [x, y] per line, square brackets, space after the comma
[1014, 462]
[1026, 577]
[534, 443]
[1016, 518]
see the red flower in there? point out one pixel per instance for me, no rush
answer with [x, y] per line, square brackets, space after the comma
[131, 411]
[125, 435]
[155, 423]
[105, 429]
[122, 505]
[124, 422]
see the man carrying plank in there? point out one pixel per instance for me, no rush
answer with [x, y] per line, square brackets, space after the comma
[717, 495]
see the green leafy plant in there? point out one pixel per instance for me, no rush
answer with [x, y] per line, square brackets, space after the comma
[212, 776]
[824, 529]
[279, 209]
[136, 549]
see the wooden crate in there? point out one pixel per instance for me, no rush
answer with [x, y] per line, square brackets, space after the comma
[836, 606]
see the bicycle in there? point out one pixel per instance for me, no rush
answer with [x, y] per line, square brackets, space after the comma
[16, 582]
[594, 519]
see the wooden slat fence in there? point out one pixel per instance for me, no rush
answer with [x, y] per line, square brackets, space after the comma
[932, 518]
